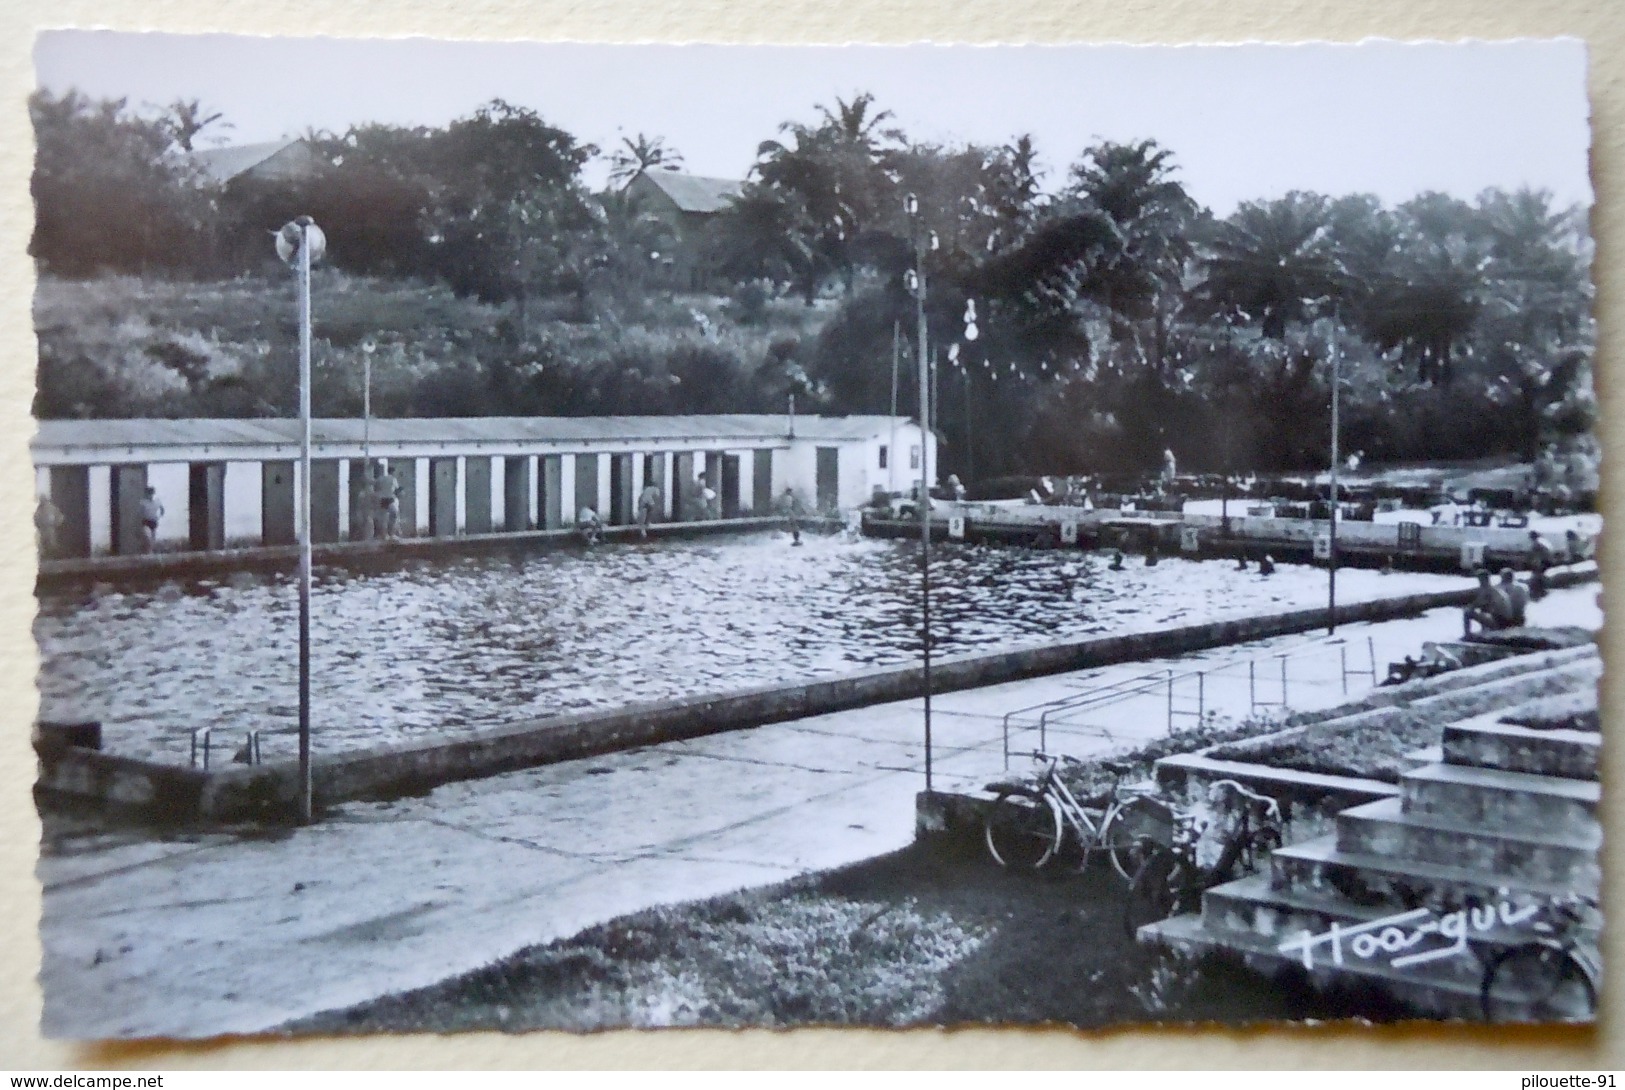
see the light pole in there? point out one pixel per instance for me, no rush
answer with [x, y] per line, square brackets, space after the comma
[301, 244]
[368, 347]
[915, 280]
[1331, 549]
[1331, 552]
[971, 333]
[891, 451]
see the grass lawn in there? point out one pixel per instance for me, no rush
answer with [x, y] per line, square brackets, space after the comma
[928, 935]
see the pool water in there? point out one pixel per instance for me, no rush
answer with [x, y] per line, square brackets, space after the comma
[423, 649]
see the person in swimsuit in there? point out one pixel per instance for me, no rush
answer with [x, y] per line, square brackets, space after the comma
[151, 512]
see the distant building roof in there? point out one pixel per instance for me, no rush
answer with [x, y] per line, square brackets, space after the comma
[691, 193]
[221, 165]
[125, 436]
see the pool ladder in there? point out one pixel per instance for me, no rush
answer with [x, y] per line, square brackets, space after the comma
[202, 743]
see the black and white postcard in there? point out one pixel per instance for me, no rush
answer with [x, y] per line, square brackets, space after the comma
[549, 536]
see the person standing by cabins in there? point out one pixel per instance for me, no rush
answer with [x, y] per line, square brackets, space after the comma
[151, 512]
[648, 507]
[1170, 468]
[955, 489]
[386, 494]
[48, 521]
[790, 508]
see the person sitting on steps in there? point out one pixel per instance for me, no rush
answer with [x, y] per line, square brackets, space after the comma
[1487, 607]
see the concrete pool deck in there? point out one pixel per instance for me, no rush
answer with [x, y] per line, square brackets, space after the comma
[234, 932]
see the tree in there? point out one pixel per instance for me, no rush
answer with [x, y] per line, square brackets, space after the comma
[1140, 285]
[1134, 186]
[1427, 304]
[831, 174]
[107, 195]
[767, 233]
[185, 119]
[639, 155]
[1271, 260]
[1534, 339]
[504, 192]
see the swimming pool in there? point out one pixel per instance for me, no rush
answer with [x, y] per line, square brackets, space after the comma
[420, 649]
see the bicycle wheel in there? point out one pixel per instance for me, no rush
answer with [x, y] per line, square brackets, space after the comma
[1264, 841]
[1157, 890]
[1128, 833]
[1537, 982]
[1023, 831]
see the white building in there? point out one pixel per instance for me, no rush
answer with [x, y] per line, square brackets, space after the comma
[233, 482]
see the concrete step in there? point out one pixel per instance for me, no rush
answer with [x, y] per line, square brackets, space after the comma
[1421, 988]
[1416, 989]
[1250, 907]
[1320, 868]
[1495, 799]
[1541, 855]
[1482, 744]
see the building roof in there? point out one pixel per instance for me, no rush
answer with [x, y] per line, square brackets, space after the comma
[123, 436]
[691, 193]
[221, 165]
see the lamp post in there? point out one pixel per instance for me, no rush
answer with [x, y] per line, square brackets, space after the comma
[368, 347]
[915, 280]
[1331, 552]
[300, 244]
[971, 333]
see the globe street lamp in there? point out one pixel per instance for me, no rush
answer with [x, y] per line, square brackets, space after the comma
[300, 244]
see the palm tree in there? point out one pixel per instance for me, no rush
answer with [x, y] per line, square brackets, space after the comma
[1134, 186]
[638, 155]
[1534, 338]
[1140, 285]
[1431, 298]
[1270, 259]
[1016, 167]
[185, 119]
[852, 124]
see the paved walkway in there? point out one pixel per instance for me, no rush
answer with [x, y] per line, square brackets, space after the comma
[238, 932]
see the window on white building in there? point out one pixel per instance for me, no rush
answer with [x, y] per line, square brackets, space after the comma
[883, 453]
[914, 457]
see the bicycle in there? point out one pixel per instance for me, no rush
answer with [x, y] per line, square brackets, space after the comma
[1029, 824]
[1551, 978]
[1170, 879]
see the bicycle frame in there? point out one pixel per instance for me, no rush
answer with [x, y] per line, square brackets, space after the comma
[1087, 823]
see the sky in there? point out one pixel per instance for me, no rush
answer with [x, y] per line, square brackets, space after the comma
[1243, 122]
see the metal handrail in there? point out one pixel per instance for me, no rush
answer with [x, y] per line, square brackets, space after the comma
[1122, 689]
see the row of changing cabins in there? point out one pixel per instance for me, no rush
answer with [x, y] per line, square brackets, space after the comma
[232, 483]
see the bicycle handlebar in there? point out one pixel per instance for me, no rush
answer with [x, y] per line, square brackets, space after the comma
[1272, 807]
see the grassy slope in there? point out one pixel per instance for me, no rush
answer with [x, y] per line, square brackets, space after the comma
[158, 343]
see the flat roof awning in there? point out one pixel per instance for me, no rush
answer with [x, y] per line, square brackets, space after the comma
[81, 442]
